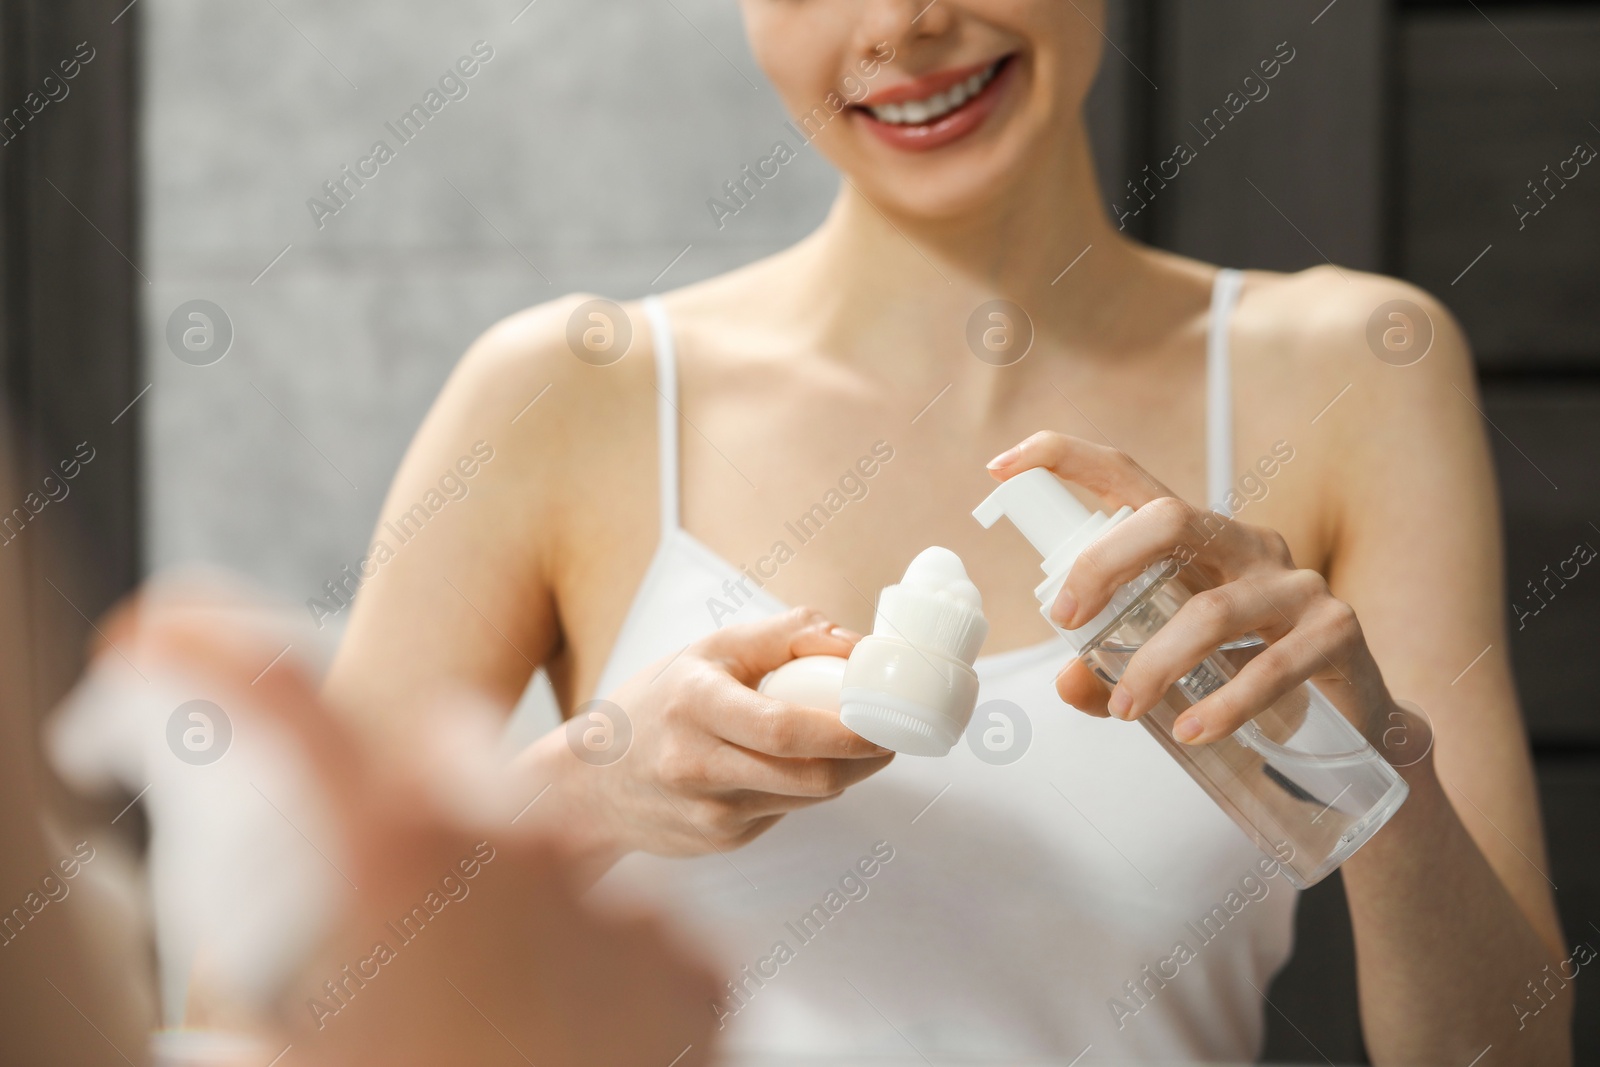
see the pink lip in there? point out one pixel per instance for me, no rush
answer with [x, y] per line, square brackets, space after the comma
[948, 128]
[920, 88]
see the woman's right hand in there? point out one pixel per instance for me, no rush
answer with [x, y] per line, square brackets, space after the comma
[711, 763]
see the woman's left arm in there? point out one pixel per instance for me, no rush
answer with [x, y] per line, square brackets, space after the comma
[1452, 905]
[1450, 902]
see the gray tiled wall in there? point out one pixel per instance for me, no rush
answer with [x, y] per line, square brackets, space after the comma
[584, 151]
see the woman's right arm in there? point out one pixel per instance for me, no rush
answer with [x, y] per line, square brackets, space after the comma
[490, 553]
[457, 580]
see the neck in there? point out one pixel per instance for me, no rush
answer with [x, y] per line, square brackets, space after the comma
[871, 263]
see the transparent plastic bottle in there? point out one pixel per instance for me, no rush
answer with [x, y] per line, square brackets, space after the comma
[1299, 779]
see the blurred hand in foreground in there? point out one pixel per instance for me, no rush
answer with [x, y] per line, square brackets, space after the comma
[462, 938]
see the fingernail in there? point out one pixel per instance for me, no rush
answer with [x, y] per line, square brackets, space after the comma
[1120, 703]
[1004, 459]
[1066, 607]
[1187, 728]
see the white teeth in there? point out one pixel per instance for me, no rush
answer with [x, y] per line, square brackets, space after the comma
[917, 112]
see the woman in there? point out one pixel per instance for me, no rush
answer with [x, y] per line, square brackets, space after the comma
[807, 424]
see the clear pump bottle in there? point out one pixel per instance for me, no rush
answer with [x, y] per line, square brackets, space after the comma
[1299, 779]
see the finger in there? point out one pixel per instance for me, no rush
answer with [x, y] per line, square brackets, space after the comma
[761, 806]
[757, 772]
[1206, 621]
[763, 824]
[748, 651]
[737, 817]
[755, 721]
[1078, 685]
[1109, 474]
[229, 659]
[1314, 648]
[182, 591]
[1152, 533]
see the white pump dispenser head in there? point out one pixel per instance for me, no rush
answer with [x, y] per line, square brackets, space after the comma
[1059, 528]
[1039, 506]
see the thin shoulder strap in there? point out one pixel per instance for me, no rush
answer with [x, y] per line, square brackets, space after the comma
[1219, 390]
[666, 408]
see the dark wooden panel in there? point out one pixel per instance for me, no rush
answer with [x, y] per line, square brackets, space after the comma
[1316, 992]
[1118, 108]
[1482, 120]
[68, 359]
[1569, 789]
[68, 309]
[1293, 177]
[1546, 447]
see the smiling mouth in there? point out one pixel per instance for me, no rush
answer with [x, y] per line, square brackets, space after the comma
[931, 109]
[954, 105]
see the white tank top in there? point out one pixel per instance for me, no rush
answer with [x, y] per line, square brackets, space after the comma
[1087, 895]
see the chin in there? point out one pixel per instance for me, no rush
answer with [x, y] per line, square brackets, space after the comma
[949, 143]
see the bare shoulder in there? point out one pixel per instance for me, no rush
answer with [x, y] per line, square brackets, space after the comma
[1370, 379]
[563, 394]
[726, 323]
[569, 378]
[547, 369]
[1335, 325]
[1360, 359]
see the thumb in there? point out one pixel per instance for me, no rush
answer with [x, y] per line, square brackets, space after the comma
[1078, 686]
[748, 651]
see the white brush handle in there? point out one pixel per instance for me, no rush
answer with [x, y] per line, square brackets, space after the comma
[811, 681]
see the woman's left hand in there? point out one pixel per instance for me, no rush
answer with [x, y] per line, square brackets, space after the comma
[1243, 579]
